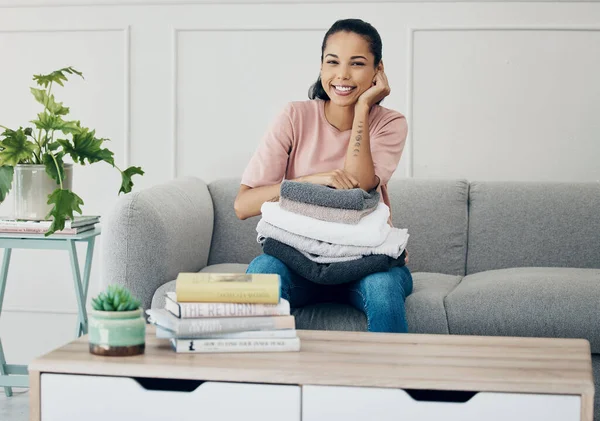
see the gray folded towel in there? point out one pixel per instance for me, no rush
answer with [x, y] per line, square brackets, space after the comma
[331, 273]
[316, 194]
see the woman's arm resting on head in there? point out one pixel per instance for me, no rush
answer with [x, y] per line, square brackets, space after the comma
[359, 161]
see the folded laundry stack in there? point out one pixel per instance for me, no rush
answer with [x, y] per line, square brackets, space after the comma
[330, 236]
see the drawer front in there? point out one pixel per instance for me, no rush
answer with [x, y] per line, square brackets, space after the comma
[96, 398]
[359, 403]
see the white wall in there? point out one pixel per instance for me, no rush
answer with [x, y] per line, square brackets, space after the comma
[492, 90]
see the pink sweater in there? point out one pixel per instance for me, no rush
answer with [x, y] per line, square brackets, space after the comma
[302, 142]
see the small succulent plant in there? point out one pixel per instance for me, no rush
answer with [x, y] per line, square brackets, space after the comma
[115, 298]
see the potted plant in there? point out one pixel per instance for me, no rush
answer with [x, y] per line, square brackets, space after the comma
[34, 158]
[116, 323]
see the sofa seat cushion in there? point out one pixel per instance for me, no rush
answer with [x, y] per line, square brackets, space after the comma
[330, 316]
[534, 302]
[425, 311]
[424, 307]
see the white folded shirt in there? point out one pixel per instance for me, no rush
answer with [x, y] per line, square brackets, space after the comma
[371, 231]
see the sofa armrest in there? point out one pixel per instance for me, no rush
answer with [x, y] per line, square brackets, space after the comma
[152, 235]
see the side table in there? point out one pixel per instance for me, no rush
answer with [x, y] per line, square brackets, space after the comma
[13, 375]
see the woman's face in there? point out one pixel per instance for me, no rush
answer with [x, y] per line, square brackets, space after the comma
[347, 69]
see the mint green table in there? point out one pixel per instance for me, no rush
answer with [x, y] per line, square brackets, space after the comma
[13, 375]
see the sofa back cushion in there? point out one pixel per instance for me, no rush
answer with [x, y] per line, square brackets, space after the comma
[434, 212]
[233, 241]
[517, 224]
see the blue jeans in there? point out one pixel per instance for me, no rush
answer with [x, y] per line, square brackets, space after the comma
[380, 296]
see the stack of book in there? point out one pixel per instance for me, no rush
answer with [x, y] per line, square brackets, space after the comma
[226, 312]
[77, 225]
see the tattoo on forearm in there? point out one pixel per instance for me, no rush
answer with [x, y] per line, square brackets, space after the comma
[358, 139]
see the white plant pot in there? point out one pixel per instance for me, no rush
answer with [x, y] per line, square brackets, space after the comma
[31, 188]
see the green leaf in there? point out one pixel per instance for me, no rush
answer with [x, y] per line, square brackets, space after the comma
[96, 304]
[86, 146]
[65, 203]
[56, 76]
[71, 127]
[15, 147]
[45, 121]
[50, 165]
[48, 102]
[6, 178]
[133, 305]
[116, 299]
[49, 122]
[126, 183]
[40, 95]
[107, 306]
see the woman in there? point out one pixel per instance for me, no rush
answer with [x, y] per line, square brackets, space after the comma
[344, 139]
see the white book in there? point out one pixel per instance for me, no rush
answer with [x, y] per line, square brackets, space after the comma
[210, 325]
[76, 222]
[235, 345]
[42, 230]
[162, 333]
[193, 310]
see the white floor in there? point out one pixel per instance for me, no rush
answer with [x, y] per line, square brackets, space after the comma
[15, 408]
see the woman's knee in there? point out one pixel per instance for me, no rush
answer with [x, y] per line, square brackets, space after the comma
[382, 286]
[404, 276]
[266, 263]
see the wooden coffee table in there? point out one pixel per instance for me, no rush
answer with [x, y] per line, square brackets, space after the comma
[336, 376]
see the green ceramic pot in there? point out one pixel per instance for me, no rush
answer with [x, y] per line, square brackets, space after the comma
[117, 333]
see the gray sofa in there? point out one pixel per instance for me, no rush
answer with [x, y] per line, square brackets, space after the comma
[488, 258]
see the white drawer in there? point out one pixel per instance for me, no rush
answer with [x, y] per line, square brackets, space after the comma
[95, 398]
[362, 403]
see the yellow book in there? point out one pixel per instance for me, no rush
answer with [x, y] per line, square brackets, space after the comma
[259, 288]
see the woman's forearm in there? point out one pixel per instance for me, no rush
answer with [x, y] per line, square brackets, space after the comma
[359, 161]
[248, 202]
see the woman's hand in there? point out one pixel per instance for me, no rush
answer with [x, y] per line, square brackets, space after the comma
[338, 179]
[379, 90]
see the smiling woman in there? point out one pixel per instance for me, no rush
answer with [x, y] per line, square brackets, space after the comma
[344, 139]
